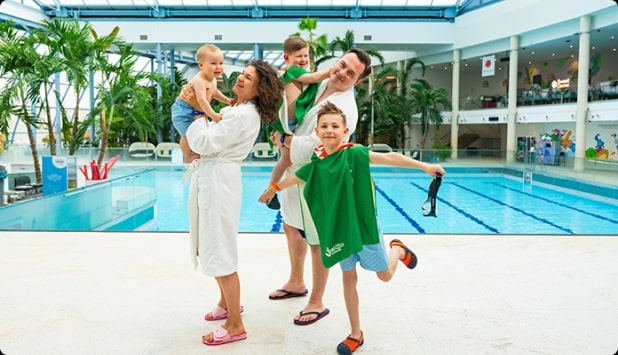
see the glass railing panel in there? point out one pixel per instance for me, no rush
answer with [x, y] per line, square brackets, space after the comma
[120, 203]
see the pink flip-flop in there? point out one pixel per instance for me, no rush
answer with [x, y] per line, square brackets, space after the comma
[219, 313]
[221, 336]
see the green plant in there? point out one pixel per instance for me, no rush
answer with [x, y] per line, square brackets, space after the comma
[443, 151]
[345, 44]
[17, 62]
[226, 85]
[390, 104]
[387, 113]
[121, 96]
[317, 44]
[428, 103]
[70, 43]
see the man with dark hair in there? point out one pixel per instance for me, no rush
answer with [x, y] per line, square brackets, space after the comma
[349, 70]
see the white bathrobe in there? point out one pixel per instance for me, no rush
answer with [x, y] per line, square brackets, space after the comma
[293, 207]
[215, 193]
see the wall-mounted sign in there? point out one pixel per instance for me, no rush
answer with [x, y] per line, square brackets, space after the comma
[561, 83]
[489, 65]
[55, 174]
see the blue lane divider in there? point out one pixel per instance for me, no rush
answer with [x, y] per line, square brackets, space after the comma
[558, 203]
[460, 211]
[543, 220]
[277, 225]
[401, 211]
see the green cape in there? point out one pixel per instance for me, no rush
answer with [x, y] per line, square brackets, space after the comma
[341, 198]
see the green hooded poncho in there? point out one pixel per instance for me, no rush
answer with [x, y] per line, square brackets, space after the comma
[341, 198]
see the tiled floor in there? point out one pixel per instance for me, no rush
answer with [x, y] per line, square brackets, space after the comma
[136, 293]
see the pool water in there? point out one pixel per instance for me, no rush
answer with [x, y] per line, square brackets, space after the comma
[466, 204]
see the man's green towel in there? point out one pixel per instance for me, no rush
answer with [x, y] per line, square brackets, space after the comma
[305, 100]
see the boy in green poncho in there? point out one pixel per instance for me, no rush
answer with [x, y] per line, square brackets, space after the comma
[341, 198]
[299, 96]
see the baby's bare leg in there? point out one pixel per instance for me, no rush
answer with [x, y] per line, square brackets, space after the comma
[187, 153]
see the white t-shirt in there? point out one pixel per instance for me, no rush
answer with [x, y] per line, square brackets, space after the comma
[293, 208]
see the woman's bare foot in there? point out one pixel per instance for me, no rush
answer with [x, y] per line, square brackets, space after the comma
[233, 331]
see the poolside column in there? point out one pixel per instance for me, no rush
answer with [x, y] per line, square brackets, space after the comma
[172, 76]
[92, 101]
[58, 121]
[258, 52]
[455, 101]
[582, 91]
[160, 68]
[401, 66]
[511, 139]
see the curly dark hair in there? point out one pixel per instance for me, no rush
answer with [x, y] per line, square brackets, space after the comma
[269, 91]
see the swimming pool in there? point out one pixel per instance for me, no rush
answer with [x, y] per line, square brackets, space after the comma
[470, 201]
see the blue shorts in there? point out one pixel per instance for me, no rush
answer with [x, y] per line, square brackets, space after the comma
[372, 257]
[182, 116]
[292, 124]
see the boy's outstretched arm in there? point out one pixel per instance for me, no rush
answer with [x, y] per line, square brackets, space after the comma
[312, 78]
[396, 159]
[270, 192]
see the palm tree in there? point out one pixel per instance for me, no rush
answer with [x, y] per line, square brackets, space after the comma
[401, 79]
[384, 103]
[121, 96]
[390, 103]
[70, 42]
[161, 115]
[44, 69]
[17, 60]
[345, 44]
[428, 103]
[42, 81]
[317, 44]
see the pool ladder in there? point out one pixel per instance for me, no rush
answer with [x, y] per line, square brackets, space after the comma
[528, 168]
[529, 151]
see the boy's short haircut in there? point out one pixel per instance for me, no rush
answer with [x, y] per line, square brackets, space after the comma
[293, 44]
[331, 108]
[203, 50]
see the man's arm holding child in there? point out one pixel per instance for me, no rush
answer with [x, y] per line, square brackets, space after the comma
[396, 159]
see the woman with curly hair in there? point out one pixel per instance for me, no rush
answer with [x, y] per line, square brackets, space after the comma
[215, 193]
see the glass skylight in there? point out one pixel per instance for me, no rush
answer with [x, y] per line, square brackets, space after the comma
[189, 3]
[143, 8]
